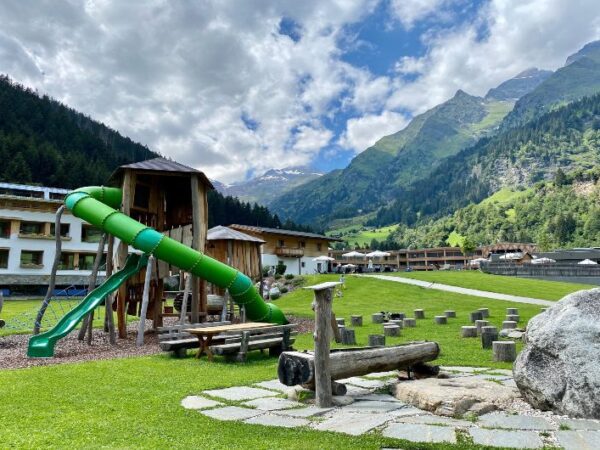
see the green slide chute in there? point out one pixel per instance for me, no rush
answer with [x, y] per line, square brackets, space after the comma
[98, 206]
[42, 345]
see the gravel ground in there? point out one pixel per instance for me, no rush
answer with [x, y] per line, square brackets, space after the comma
[13, 349]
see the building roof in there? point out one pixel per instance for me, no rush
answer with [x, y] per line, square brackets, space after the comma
[163, 165]
[221, 233]
[572, 254]
[266, 230]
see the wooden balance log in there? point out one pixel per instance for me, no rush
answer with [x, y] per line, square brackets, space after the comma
[299, 367]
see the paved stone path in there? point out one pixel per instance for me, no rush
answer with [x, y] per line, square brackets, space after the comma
[465, 291]
[373, 410]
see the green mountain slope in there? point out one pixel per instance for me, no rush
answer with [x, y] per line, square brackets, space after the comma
[580, 77]
[564, 214]
[372, 177]
[567, 139]
[517, 87]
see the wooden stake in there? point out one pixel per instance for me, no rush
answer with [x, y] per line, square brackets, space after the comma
[145, 299]
[322, 303]
[108, 315]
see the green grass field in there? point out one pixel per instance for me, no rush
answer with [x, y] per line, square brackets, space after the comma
[134, 403]
[524, 287]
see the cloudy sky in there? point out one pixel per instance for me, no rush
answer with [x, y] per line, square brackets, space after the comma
[238, 87]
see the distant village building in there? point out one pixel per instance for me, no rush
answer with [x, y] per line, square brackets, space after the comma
[295, 249]
[27, 240]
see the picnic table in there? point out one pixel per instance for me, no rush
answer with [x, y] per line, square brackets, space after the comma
[205, 335]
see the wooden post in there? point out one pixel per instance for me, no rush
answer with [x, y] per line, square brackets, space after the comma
[485, 312]
[46, 301]
[509, 325]
[348, 337]
[391, 330]
[88, 322]
[409, 322]
[196, 245]
[376, 340]
[356, 321]
[108, 316]
[441, 320]
[322, 305]
[145, 299]
[337, 337]
[475, 315]
[377, 318]
[468, 331]
[504, 351]
[184, 301]
[480, 324]
[122, 252]
[489, 334]
[419, 314]
[450, 313]
[260, 271]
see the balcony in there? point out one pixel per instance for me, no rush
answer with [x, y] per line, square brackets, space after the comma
[289, 252]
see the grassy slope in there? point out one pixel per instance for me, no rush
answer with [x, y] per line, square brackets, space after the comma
[135, 402]
[549, 290]
[367, 296]
[362, 237]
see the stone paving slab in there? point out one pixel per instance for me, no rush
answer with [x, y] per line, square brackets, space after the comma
[356, 391]
[274, 385]
[517, 422]
[484, 376]
[506, 372]
[373, 406]
[464, 369]
[579, 440]
[392, 373]
[437, 420]
[363, 382]
[506, 438]
[272, 404]
[379, 398]
[420, 433]
[509, 383]
[232, 413]
[240, 393]
[195, 402]
[581, 424]
[278, 421]
[352, 423]
[408, 411]
[309, 411]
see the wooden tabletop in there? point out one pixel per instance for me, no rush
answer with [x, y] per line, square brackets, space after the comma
[226, 328]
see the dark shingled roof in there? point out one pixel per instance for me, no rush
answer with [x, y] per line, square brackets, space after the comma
[163, 165]
[221, 233]
[283, 232]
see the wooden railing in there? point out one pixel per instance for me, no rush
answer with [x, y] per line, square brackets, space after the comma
[289, 251]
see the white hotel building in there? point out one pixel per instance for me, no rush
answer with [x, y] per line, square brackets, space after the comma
[27, 240]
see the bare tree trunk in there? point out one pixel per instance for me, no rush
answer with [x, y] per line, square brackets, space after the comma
[145, 299]
[184, 301]
[88, 322]
[109, 321]
[52, 283]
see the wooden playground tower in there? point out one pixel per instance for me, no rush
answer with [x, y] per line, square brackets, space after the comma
[164, 195]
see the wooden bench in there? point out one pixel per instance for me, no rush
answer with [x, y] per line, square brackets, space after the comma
[276, 339]
[176, 340]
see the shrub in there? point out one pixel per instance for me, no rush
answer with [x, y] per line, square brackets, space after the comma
[289, 276]
[277, 276]
[280, 269]
[298, 281]
[265, 271]
[284, 290]
[274, 296]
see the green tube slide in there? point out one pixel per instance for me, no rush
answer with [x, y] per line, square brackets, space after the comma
[97, 205]
[42, 345]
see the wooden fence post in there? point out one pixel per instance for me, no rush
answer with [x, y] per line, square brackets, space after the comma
[145, 299]
[322, 306]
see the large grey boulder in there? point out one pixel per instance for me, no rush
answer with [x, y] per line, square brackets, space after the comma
[559, 367]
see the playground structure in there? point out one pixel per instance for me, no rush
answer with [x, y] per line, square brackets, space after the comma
[155, 196]
[2, 322]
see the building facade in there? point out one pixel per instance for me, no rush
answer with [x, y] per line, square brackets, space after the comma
[295, 249]
[27, 240]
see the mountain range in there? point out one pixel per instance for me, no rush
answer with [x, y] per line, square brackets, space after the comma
[268, 186]
[456, 145]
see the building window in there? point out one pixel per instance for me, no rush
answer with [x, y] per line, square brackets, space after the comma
[86, 261]
[4, 258]
[302, 244]
[57, 196]
[32, 259]
[141, 197]
[280, 243]
[5, 229]
[64, 229]
[319, 247]
[67, 261]
[31, 228]
[303, 264]
[90, 234]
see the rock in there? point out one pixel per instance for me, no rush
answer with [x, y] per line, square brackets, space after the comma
[512, 333]
[274, 291]
[559, 367]
[299, 394]
[455, 396]
[342, 400]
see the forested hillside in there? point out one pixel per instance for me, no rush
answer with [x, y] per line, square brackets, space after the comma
[560, 213]
[568, 138]
[43, 141]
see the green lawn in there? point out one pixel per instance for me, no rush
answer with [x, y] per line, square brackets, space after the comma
[367, 296]
[134, 403]
[524, 287]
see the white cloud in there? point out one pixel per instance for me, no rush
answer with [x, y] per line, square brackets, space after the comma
[507, 37]
[363, 132]
[411, 11]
